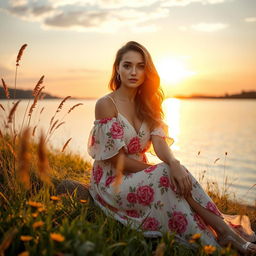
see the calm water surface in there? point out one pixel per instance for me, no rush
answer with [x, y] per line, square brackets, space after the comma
[216, 138]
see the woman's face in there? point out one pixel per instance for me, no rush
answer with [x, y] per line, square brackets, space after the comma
[131, 69]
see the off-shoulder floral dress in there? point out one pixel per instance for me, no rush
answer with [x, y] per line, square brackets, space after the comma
[145, 200]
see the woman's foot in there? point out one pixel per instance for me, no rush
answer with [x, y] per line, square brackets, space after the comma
[247, 248]
[239, 229]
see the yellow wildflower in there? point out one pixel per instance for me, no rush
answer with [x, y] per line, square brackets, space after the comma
[34, 215]
[25, 253]
[209, 249]
[35, 204]
[41, 209]
[83, 201]
[196, 236]
[26, 238]
[38, 224]
[55, 198]
[57, 237]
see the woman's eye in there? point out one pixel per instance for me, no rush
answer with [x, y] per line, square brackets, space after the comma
[126, 66]
[141, 66]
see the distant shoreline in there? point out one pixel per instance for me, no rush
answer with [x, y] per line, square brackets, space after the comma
[242, 95]
[27, 94]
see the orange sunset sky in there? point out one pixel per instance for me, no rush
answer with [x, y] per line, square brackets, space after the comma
[198, 46]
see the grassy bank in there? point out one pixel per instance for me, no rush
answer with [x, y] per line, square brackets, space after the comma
[34, 220]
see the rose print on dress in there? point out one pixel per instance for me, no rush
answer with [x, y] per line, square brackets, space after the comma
[164, 182]
[97, 174]
[200, 223]
[105, 120]
[117, 131]
[113, 209]
[101, 200]
[105, 204]
[178, 222]
[109, 180]
[132, 198]
[133, 213]
[172, 187]
[150, 168]
[212, 207]
[145, 195]
[115, 134]
[134, 145]
[151, 224]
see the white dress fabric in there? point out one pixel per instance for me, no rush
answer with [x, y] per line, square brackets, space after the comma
[145, 200]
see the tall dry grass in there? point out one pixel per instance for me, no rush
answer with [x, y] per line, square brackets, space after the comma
[16, 143]
[24, 159]
[37, 93]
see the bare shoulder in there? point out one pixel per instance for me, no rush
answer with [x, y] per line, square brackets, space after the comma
[105, 108]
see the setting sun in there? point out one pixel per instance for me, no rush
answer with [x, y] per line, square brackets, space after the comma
[172, 71]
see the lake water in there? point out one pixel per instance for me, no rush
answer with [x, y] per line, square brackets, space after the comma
[215, 137]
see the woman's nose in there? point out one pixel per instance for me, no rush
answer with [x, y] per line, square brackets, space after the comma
[133, 72]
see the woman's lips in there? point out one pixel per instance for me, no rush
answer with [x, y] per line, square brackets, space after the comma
[133, 80]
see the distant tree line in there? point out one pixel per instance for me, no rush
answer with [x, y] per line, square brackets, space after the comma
[23, 94]
[242, 95]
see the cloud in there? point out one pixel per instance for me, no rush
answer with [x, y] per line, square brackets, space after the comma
[103, 20]
[77, 18]
[209, 27]
[170, 3]
[125, 3]
[250, 19]
[105, 4]
[112, 4]
[60, 3]
[102, 15]
[29, 11]
[89, 15]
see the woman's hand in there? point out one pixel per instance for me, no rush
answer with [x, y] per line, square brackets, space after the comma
[181, 179]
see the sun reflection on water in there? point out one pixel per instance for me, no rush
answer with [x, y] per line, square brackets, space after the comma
[171, 107]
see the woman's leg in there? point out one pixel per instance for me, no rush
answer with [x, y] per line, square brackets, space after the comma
[217, 223]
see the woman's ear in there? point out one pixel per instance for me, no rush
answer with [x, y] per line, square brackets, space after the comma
[118, 68]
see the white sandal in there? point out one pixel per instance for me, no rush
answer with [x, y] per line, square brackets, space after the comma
[246, 245]
[243, 248]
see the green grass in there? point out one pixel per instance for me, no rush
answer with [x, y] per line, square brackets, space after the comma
[83, 226]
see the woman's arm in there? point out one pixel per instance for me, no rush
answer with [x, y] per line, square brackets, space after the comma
[178, 173]
[127, 165]
[163, 151]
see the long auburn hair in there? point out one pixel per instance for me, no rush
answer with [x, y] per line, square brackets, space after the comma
[149, 96]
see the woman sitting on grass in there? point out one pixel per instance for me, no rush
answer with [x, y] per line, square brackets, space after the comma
[154, 198]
